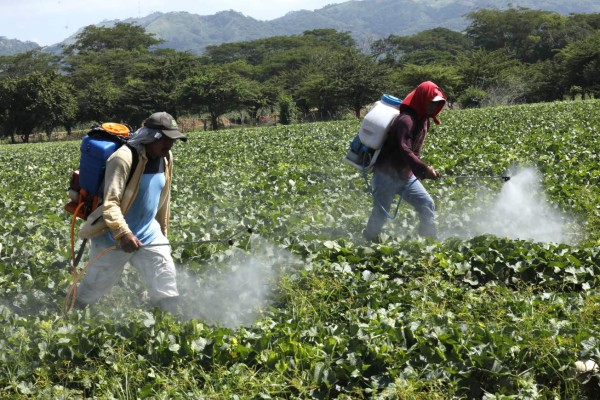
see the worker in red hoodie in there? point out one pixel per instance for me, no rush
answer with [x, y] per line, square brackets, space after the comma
[399, 168]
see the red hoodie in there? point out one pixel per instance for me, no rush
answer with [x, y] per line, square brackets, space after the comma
[401, 153]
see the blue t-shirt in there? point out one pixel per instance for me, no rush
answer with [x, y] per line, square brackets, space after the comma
[141, 215]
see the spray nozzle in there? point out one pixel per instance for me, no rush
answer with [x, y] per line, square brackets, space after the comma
[230, 239]
[505, 178]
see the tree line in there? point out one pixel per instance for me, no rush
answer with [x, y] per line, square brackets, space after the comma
[119, 73]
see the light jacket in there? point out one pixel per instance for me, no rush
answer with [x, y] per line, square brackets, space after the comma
[119, 195]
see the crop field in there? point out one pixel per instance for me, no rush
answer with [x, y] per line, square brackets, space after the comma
[502, 306]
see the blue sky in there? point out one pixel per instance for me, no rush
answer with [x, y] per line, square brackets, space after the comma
[47, 22]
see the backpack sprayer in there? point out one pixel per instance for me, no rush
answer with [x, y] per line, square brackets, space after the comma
[85, 186]
[366, 145]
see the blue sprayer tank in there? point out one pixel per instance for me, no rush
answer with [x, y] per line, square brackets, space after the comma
[92, 164]
[367, 143]
[87, 183]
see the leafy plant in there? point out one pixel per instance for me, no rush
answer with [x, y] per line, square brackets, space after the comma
[479, 317]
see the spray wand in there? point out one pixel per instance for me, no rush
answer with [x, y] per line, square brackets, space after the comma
[504, 178]
[228, 240]
[72, 291]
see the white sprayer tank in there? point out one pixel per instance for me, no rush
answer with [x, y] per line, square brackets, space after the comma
[374, 128]
[366, 145]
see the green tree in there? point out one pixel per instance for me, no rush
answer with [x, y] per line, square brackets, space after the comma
[545, 82]
[98, 100]
[107, 64]
[529, 35]
[330, 38]
[122, 36]
[492, 71]
[287, 109]
[580, 65]
[439, 45]
[358, 79]
[260, 96]
[257, 95]
[252, 52]
[338, 81]
[290, 82]
[38, 101]
[7, 89]
[278, 54]
[317, 91]
[28, 62]
[60, 104]
[117, 65]
[588, 22]
[291, 63]
[409, 77]
[215, 90]
[471, 97]
[153, 86]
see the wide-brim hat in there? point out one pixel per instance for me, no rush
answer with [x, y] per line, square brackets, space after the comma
[164, 122]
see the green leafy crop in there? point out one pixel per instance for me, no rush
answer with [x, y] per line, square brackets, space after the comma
[475, 316]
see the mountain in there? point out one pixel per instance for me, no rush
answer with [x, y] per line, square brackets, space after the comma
[366, 20]
[10, 47]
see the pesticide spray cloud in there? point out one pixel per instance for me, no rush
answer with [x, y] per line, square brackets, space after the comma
[236, 291]
[521, 211]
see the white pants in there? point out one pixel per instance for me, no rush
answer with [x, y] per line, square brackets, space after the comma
[154, 263]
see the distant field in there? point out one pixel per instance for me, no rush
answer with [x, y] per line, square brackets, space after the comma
[303, 308]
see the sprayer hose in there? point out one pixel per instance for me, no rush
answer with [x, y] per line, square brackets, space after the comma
[73, 221]
[72, 291]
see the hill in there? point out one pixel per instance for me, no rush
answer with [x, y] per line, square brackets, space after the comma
[9, 47]
[367, 20]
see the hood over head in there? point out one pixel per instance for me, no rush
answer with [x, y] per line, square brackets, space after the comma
[143, 136]
[420, 98]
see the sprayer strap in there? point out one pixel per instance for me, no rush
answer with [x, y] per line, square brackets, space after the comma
[135, 159]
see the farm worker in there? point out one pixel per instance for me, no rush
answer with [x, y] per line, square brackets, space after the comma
[135, 213]
[399, 168]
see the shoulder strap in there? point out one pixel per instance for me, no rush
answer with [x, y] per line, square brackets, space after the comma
[135, 157]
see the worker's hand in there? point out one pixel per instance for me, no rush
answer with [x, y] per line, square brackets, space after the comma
[130, 243]
[432, 174]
